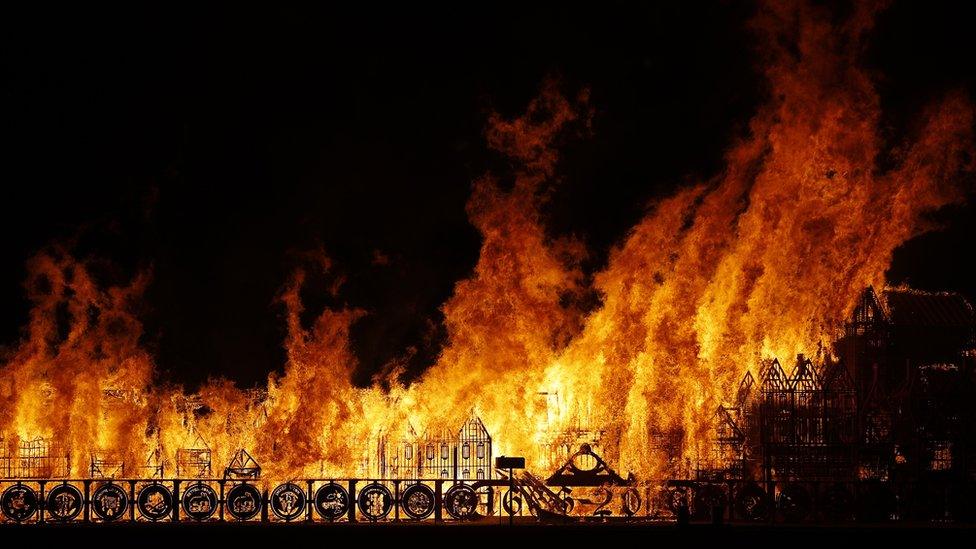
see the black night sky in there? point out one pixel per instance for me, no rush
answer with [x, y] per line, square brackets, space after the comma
[216, 145]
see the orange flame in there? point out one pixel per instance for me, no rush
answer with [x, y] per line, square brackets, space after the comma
[761, 261]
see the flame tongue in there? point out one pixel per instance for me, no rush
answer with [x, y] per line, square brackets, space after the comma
[762, 261]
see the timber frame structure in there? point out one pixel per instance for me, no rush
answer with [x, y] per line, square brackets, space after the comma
[882, 427]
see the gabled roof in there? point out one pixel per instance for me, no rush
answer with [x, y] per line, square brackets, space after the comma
[745, 389]
[242, 465]
[805, 376]
[775, 378]
[475, 424]
[443, 431]
[242, 459]
[869, 309]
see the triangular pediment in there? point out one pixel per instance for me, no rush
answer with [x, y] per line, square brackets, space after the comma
[585, 468]
[775, 378]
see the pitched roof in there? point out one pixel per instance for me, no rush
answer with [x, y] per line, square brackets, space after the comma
[804, 376]
[745, 389]
[774, 377]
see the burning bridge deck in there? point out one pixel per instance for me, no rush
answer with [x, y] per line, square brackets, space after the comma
[227, 500]
[350, 500]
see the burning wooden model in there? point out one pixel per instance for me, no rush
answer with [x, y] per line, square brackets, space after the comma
[659, 385]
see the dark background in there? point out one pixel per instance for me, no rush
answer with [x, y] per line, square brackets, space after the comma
[216, 145]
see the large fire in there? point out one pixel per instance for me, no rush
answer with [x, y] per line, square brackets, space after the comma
[761, 261]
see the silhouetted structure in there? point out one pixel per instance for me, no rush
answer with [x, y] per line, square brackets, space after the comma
[880, 428]
[464, 454]
[242, 466]
[887, 423]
